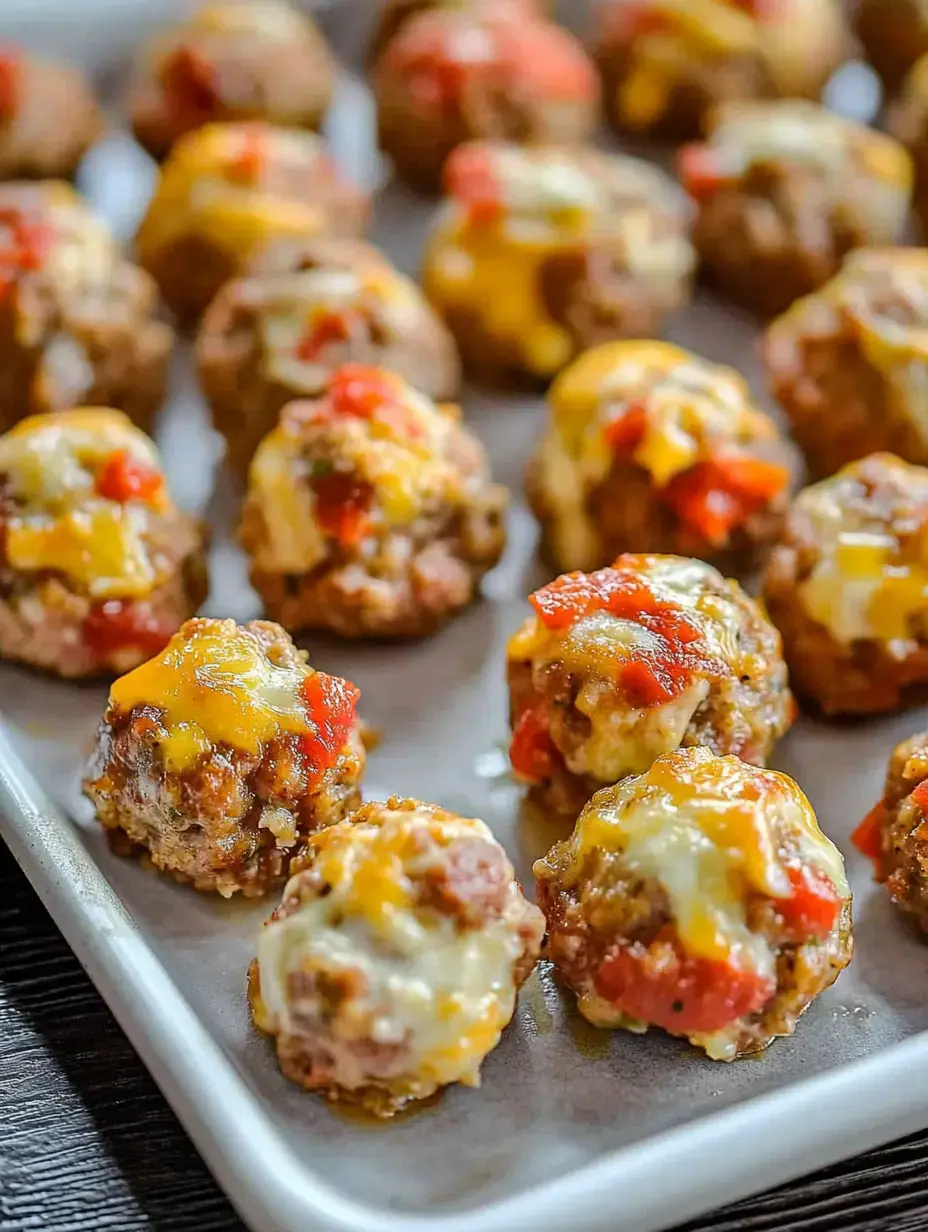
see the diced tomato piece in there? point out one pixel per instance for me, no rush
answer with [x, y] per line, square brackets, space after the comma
[119, 624]
[660, 985]
[124, 478]
[189, 85]
[331, 708]
[358, 390]
[624, 435]
[24, 246]
[920, 796]
[532, 752]
[750, 478]
[469, 178]
[868, 837]
[10, 76]
[249, 161]
[342, 506]
[715, 497]
[329, 327]
[699, 171]
[812, 909]
[645, 684]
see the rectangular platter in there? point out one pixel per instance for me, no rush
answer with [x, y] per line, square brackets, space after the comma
[572, 1127]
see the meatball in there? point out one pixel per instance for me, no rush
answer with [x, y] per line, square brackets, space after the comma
[49, 117]
[666, 63]
[224, 193]
[908, 123]
[700, 897]
[97, 566]
[370, 511]
[480, 71]
[77, 323]
[393, 15]
[894, 33]
[392, 965]
[232, 61]
[848, 363]
[302, 309]
[616, 667]
[784, 190]
[222, 755]
[894, 835]
[652, 448]
[542, 253]
[848, 588]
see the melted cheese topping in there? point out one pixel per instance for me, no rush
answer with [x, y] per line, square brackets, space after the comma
[624, 739]
[200, 193]
[215, 682]
[692, 408]
[50, 463]
[552, 202]
[443, 992]
[871, 577]
[263, 18]
[711, 831]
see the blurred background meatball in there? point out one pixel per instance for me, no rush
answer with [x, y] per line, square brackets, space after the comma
[49, 117]
[894, 33]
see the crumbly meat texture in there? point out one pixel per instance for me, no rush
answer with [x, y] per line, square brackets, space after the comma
[902, 862]
[864, 674]
[231, 821]
[248, 377]
[533, 85]
[54, 119]
[894, 33]
[79, 331]
[465, 885]
[844, 362]
[227, 70]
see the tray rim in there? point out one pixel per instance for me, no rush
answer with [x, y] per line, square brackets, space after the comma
[671, 1176]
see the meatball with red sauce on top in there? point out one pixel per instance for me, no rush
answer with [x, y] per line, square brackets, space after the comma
[223, 754]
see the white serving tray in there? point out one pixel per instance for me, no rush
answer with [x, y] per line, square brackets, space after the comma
[573, 1127]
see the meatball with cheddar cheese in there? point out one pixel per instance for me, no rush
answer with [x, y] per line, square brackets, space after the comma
[392, 965]
[370, 511]
[700, 897]
[666, 63]
[848, 363]
[616, 667]
[894, 834]
[78, 322]
[651, 448]
[500, 72]
[49, 117]
[98, 568]
[302, 309]
[541, 253]
[224, 193]
[784, 190]
[847, 587]
[222, 755]
[233, 60]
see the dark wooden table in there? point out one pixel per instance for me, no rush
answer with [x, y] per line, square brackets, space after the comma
[87, 1141]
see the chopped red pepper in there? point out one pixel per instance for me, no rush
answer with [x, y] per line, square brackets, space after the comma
[812, 909]
[359, 391]
[119, 624]
[342, 506]
[469, 178]
[624, 435]
[24, 245]
[326, 328]
[715, 497]
[868, 837]
[660, 985]
[699, 171]
[10, 79]
[532, 752]
[249, 161]
[920, 796]
[124, 478]
[331, 708]
[190, 87]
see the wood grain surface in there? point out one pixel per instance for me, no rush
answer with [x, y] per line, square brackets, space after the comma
[87, 1142]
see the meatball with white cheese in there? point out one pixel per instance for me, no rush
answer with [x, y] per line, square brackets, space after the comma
[219, 757]
[392, 965]
[616, 667]
[700, 897]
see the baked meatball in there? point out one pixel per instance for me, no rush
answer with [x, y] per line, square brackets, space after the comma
[700, 897]
[848, 363]
[370, 511]
[848, 588]
[653, 448]
[894, 834]
[97, 566]
[49, 117]
[783, 191]
[222, 755]
[894, 33]
[480, 71]
[908, 123]
[225, 192]
[393, 15]
[542, 253]
[666, 63]
[392, 965]
[237, 60]
[77, 323]
[616, 667]
[304, 308]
